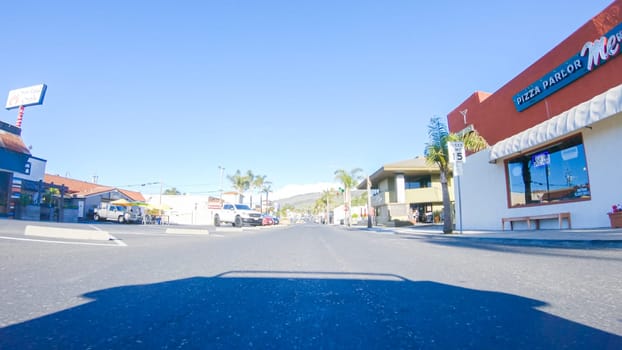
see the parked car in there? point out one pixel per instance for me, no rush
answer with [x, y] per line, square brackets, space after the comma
[276, 220]
[118, 213]
[267, 220]
[237, 215]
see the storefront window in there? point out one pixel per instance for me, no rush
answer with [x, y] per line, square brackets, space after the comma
[556, 173]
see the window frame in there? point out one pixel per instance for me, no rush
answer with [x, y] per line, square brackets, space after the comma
[541, 149]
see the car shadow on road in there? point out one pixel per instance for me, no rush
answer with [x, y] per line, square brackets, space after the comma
[270, 309]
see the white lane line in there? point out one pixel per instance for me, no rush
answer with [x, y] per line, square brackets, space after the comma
[58, 242]
[117, 241]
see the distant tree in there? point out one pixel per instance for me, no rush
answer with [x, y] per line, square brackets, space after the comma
[257, 183]
[171, 191]
[241, 183]
[266, 188]
[349, 181]
[285, 209]
[250, 179]
[323, 204]
[50, 194]
[360, 200]
[436, 153]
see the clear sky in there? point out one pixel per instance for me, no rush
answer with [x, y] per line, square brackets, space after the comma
[150, 91]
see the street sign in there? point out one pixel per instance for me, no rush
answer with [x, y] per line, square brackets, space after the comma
[458, 169]
[456, 152]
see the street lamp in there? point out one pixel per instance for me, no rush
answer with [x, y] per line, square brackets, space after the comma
[369, 223]
[222, 170]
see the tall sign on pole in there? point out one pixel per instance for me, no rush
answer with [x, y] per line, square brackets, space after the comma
[24, 97]
[457, 158]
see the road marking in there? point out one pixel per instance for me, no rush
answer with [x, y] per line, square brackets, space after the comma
[58, 242]
[112, 238]
[66, 232]
[191, 231]
[117, 241]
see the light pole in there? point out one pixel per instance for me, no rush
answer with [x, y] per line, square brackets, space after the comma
[368, 202]
[222, 170]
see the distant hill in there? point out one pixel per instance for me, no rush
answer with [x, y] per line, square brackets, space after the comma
[300, 201]
[307, 200]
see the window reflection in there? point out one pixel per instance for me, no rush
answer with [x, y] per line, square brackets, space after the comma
[555, 173]
[423, 181]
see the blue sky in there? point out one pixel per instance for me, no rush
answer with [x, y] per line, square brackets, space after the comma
[142, 92]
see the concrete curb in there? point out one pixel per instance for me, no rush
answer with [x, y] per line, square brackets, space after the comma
[69, 233]
[187, 231]
[560, 237]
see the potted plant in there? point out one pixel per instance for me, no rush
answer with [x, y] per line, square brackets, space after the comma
[615, 216]
[27, 210]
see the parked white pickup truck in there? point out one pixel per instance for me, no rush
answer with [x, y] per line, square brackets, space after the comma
[118, 213]
[237, 215]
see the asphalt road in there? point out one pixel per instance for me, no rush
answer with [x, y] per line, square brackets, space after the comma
[303, 286]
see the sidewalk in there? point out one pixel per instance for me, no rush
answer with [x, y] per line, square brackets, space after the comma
[568, 235]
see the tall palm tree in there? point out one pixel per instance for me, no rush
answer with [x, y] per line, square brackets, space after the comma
[257, 183]
[266, 188]
[436, 153]
[250, 180]
[240, 183]
[349, 181]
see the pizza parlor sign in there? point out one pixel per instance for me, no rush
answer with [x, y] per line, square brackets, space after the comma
[592, 55]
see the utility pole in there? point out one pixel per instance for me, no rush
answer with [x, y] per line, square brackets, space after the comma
[328, 192]
[222, 170]
[368, 202]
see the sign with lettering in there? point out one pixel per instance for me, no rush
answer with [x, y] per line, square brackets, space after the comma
[28, 96]
[592, 55]
[456, 152]
[541, 159]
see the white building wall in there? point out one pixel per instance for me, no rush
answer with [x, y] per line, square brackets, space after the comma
[483, 185]
[37, 170]
[482, 193]
[603, 149]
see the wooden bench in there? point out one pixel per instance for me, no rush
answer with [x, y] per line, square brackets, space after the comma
[536, 218]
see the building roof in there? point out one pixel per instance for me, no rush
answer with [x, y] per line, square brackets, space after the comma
[408, 167]
[84, 189]
[13, 142]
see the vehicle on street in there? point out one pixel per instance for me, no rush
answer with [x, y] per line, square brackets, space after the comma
[237, 215]
[267, 220]
[118, 213]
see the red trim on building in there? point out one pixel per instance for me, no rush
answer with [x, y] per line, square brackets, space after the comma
[495, 117]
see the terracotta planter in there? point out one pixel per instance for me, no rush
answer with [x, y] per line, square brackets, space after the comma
[615, 219]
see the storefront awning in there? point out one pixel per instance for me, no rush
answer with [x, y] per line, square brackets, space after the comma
[587, 113]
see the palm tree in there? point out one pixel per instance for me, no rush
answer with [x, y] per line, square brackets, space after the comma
[172, 191]
[266, 188]
[436, 153]
[250, 180]
[323, 203]
[257, 183]
[349, 180]
[240, 183]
